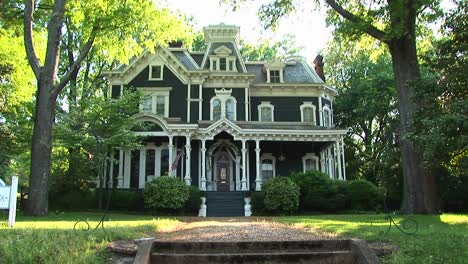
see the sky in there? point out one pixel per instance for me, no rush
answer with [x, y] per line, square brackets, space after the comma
[307, 25]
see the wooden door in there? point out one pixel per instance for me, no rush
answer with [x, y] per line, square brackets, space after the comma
[224, 179]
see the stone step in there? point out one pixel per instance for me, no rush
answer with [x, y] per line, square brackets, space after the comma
[224, 204]
[344, 257]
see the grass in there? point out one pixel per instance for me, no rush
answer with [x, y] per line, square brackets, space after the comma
[440, 239]
[51, 239]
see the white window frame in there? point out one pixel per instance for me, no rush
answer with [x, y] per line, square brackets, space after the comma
[268, 156]
[154, 93]
[309, 156]
[151, 78]
[266, 104]
[223, 95]
[308, 105]
[324, 109]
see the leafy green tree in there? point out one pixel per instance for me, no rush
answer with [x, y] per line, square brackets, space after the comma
[394, 24]
[267, 49]
[119, 28]
[442, 120]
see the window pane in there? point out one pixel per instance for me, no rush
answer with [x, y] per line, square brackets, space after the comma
[308, 114]
[156, 72]
[310, 164]
[160, 105]
[231, 65]
[267, 169]
[164, 162]
[149, 170]
[274, 76]
[222, 64]
[265, 114]
[230, 109]
[214, 65]
[326, 118]
[147, 104]
[216, 109]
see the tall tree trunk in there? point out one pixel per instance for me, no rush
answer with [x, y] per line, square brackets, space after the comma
[419, 185]
[41, 149]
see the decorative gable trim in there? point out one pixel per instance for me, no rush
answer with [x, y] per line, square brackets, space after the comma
[222, 51]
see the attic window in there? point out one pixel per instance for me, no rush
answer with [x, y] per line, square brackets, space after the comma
[155, 72]
[275, 76]
[222, 64]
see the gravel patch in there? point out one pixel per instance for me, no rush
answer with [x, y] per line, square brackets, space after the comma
[234, 229]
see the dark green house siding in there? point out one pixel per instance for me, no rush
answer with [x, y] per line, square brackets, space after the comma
[178, 95]
[287, 109]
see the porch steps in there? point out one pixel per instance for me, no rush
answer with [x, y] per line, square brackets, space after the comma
[350, 251]
[224, 204]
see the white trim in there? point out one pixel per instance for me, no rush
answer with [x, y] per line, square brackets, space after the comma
[200, 100]
[150, 75]
[266, 104]
[309, 156]
[308, 105]
[188, 103]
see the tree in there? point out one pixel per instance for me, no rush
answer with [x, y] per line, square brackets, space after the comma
[122, 26]
[442, 116]
[393, 23]
[266, 50]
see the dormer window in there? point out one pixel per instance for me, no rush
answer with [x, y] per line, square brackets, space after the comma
[274, 71]
[156, 72]
[275, 76]
[223, 60]
[326, 116]
[265, 112]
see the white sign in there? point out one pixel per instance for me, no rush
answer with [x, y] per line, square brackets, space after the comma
[5, 197]
[8, 200]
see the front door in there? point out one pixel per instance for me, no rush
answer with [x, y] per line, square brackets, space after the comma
[222, 172]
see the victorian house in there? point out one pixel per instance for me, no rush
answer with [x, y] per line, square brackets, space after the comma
[224, 124]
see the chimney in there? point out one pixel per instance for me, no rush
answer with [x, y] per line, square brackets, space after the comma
[176, 44]
[318, 62]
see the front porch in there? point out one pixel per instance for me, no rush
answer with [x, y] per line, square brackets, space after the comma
[225, 156]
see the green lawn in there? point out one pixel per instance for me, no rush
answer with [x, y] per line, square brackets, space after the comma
[52, 239]
[440, 239]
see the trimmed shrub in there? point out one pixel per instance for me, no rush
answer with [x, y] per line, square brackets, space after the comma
[281, 194]
[73, 200]
[166, 193]
[364, 195]
[126, 200]
[192, 205]
[318, 191]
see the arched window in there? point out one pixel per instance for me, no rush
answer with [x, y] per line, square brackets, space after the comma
[223, 106]
[216, 109]
[326, 116]
[266, 112]
[267, 166]
[230, 109]
[310, 162]
[308, 112]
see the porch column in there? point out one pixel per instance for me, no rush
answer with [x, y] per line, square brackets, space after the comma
[343, 157]
[142, 170]
[238, 183]
[338, 156]
[258, 178]
[170, 147]
[126, 181]
[244, 166]
[322, 161]
[330, 163]
[120, 176]
[188, 149]
[203, 165]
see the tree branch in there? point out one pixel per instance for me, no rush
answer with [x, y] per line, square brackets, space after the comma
[28, 38]
[369, 29]
[84, 52]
